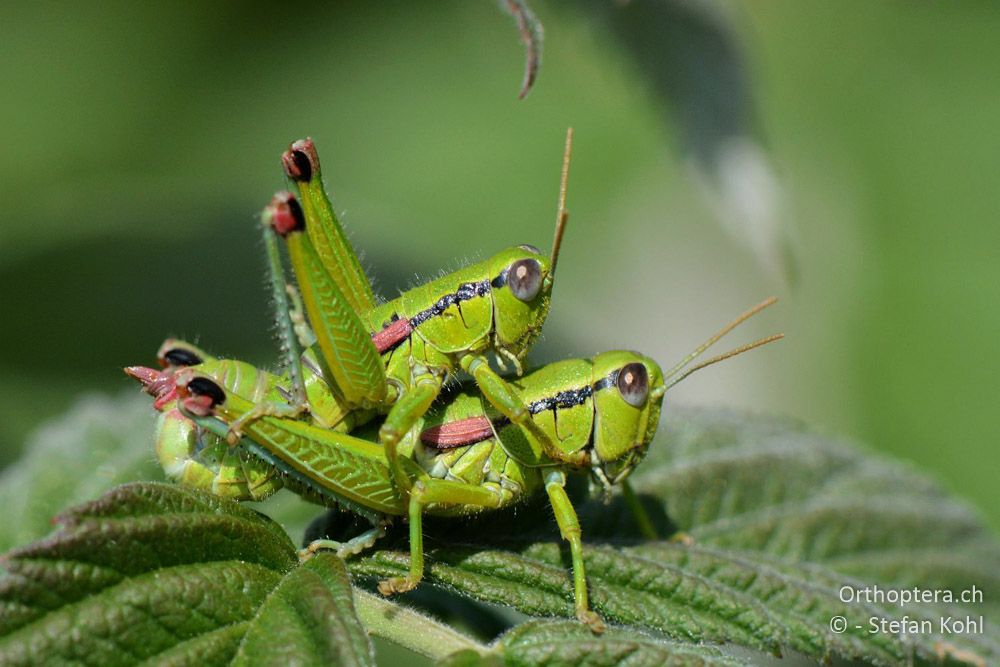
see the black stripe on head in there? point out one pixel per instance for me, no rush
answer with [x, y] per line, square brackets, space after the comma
[465, 292]
[573, 397]
[610, 380]
[564, 399]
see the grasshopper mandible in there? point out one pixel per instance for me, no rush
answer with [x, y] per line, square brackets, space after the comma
[464, 456]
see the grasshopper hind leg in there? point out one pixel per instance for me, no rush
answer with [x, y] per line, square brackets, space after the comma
[292, 330]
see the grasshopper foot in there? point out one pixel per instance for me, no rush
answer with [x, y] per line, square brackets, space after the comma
[318, 545]
[233, 435]
[592, 621]
[307, 553]
[347, 549]
[395, 585]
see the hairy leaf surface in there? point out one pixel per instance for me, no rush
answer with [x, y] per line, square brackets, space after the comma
[99, 443]
[152, 572]
[781, 522]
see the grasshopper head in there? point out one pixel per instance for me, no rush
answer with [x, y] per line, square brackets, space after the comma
[626, 420]
[521, 281]
[628, 396]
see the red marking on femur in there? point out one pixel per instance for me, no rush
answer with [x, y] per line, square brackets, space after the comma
[459, 433]
[392, 335]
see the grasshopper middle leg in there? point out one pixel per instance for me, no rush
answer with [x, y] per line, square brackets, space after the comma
[425, 492]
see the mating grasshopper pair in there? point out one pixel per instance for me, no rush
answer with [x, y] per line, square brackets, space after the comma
[482, 448]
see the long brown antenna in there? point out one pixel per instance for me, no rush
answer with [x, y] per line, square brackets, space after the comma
[732, 353]
[743, 317]
[562, 215]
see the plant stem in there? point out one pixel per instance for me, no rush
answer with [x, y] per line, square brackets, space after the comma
[411, 629]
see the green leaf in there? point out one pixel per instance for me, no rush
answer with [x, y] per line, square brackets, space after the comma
[781, 519]
[690, 56]
[99, 443]
[569, 643]
[531, 643]
[312, 612]
[152, 571]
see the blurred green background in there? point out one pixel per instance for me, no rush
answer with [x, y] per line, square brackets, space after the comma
[849, 148]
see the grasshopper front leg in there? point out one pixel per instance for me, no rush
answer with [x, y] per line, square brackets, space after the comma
[508, 401]
[410, 407]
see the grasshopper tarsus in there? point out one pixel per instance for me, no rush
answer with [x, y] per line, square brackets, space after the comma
[592, 621]
[396, 585]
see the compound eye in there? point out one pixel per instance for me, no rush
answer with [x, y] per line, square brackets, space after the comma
[181, 357]
[200, 386]
[633, 384]
[525, 279]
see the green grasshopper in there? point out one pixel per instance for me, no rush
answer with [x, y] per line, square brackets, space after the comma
[393, 358]
[517, 304]
[464, 456]
[308, 386]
